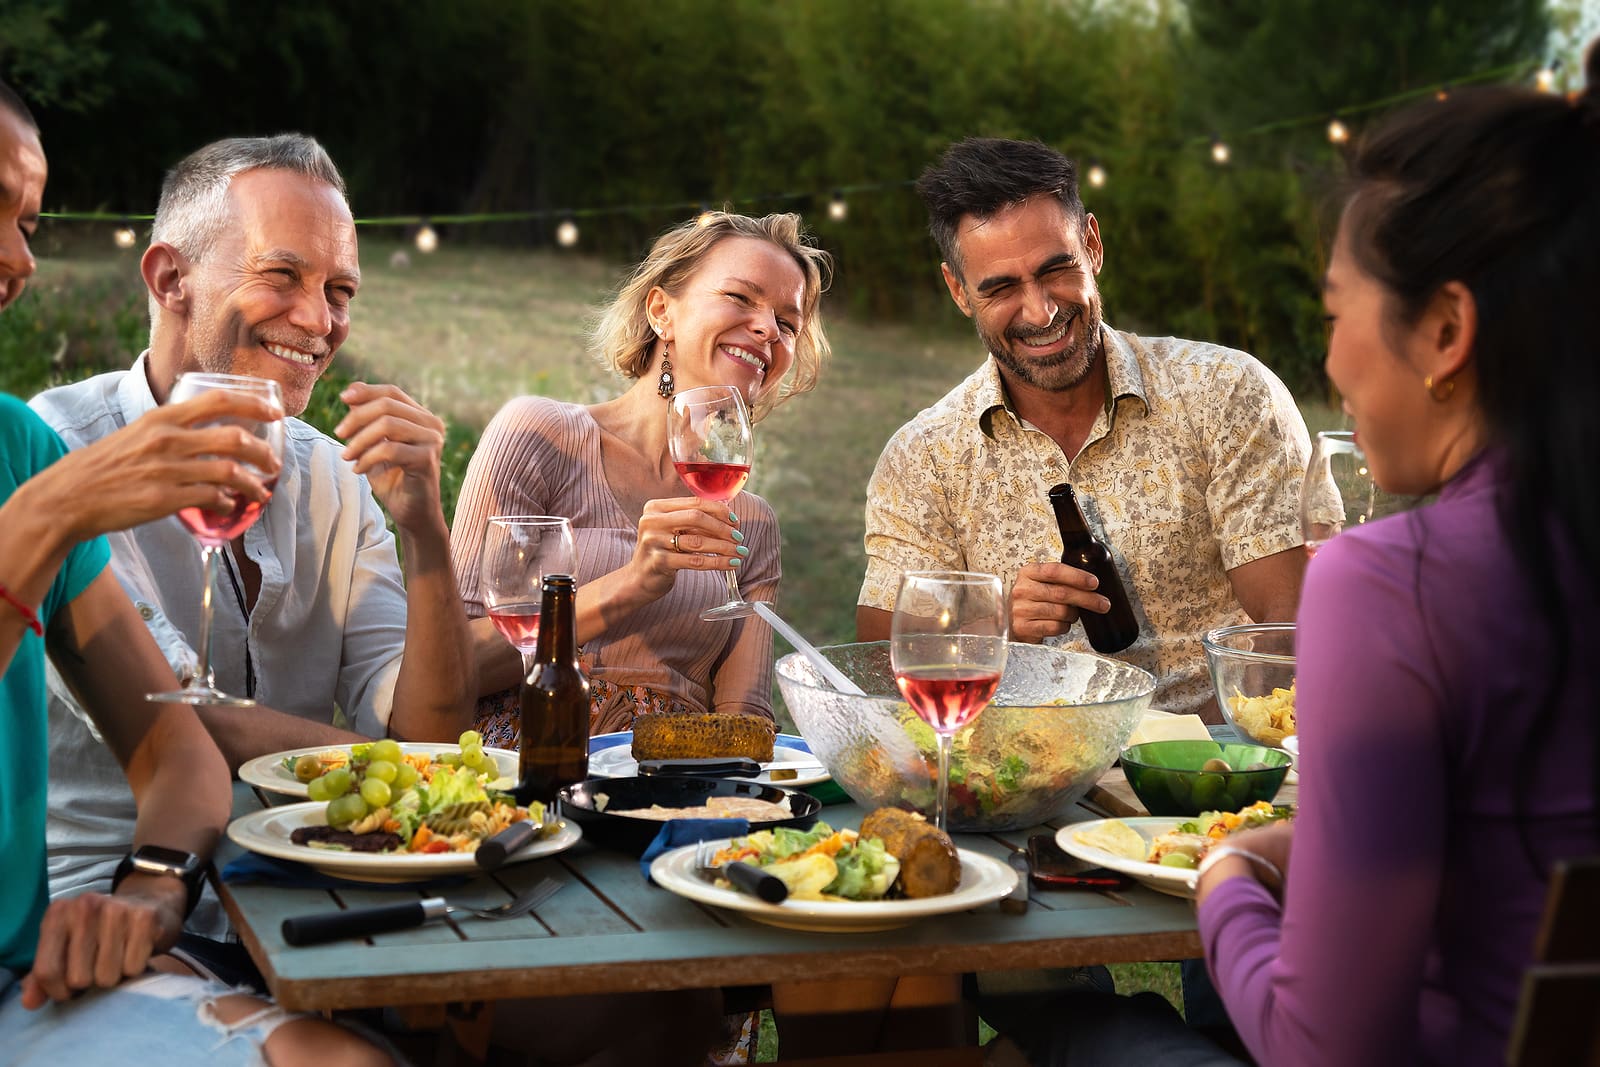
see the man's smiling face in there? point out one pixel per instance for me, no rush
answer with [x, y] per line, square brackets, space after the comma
[272, 297]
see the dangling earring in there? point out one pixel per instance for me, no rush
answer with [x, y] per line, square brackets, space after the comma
[1448, 387]
[665, 385]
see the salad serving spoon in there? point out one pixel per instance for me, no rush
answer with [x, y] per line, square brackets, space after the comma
[361, 922]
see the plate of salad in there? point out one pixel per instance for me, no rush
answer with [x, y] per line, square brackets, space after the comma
[289, 772]
[1159, 852]
[850, 893]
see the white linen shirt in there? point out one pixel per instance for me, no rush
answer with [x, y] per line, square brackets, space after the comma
[326, 636]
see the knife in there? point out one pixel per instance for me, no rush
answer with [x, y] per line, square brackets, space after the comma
[723, 767]
[494, 851]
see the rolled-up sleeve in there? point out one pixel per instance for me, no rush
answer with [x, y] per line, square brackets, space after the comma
[1257, 448]
[907, 519]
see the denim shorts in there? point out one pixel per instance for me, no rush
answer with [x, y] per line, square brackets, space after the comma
[163, 1019]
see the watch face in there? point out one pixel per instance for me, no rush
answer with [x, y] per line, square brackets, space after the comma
[156, 859]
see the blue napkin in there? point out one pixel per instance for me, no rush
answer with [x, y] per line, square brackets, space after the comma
[678, 832]
[254, 868]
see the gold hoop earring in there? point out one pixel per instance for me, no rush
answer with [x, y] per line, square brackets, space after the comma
[1441, 391]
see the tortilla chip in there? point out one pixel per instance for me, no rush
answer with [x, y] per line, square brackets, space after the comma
[1116, 837]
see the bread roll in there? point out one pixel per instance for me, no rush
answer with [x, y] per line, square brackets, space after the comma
[929, 866]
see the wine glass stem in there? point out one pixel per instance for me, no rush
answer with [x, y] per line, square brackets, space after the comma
[943, 802]
[208, 564]
[527, 665]
[734, 596]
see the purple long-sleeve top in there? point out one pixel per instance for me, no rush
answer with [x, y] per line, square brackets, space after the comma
[1410, 911]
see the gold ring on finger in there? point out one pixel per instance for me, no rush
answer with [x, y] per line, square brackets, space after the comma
[675, 547]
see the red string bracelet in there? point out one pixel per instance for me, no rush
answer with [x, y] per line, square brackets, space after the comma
[26, 612]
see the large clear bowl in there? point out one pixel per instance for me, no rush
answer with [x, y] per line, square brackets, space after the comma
[1057, 723]
[1252, 670]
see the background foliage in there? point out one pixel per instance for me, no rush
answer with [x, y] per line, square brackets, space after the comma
[440, 106]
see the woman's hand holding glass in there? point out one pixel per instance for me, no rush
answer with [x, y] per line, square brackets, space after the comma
[214, 527]
[948, 650]
[709, 434]
[518, 552]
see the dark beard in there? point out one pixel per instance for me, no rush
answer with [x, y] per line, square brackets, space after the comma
[1061, 372]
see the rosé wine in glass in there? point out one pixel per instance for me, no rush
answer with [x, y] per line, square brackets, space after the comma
[518, 624]
[518, 552]
[220, 527]
[947, 697]
[709, 435]
[714, 481]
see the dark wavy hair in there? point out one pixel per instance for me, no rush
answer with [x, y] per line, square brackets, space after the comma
[1499, 189]
[981, 175]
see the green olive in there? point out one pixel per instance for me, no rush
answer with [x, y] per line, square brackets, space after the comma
[307, 767]
[1216, 765]
[1206, 792]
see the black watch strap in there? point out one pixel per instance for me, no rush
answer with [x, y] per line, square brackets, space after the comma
[193, 880]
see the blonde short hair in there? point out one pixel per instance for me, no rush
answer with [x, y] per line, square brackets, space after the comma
[622, 337]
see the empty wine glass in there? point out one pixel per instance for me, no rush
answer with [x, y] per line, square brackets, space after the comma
[518, 552]
[948, 650]
[214, 529]
[1339, 490]
[712, 447]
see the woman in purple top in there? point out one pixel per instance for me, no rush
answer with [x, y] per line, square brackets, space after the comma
[1449, 658]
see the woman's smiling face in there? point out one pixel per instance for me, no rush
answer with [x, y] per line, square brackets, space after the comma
[735, 319]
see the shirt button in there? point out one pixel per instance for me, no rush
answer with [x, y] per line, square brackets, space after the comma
[145, 613]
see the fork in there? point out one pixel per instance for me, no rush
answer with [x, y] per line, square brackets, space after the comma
[360, 922]
[746, 876]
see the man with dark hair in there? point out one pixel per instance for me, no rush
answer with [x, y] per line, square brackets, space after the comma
[1188, 457]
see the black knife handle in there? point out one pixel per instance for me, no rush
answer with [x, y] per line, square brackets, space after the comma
[755, 881]
[710, 766]
[493, 852]
[358, 922]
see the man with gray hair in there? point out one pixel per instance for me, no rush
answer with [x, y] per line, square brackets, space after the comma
[251, 270]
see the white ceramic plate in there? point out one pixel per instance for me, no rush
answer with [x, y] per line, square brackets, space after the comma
[1174, 880]
[982, 880]
[269, 773]
[610, 757]
[267, 832]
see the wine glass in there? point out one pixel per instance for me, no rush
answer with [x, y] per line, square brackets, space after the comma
[215, 529]
[1339, 490]
[518, 552]
[948, 650]
[712, 446]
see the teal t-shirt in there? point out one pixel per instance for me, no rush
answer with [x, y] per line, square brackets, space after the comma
[27, 446]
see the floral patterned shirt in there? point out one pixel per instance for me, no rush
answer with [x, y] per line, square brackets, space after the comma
[1193, 468]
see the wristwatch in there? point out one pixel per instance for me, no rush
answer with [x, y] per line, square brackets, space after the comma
[172, 862]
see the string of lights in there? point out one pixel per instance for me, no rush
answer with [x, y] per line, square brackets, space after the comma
[567, 232]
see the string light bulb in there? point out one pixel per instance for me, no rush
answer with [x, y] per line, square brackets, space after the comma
[838, 210]
[123, 236]
[1220, 152]
[1442, 93]
[427, 239]
[1545, 78]
[567, 233]
[1338, 132]
[1096, 174]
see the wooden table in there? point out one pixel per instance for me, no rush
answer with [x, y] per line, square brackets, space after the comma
[608, 931]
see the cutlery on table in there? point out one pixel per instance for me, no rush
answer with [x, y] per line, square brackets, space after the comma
[494, 851]
[745, 876]
[360, 922]
[722, 766]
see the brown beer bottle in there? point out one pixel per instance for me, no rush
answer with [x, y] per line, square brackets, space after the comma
[1117, 628]
[555, 701]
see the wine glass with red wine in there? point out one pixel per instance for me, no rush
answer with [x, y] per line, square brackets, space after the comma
[948, 650]
[712, 447]
[215, 529]
[518, 552]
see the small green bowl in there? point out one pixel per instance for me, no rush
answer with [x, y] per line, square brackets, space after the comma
[1169, 777]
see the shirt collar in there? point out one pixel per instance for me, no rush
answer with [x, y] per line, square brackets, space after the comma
[133, 392]
[1123, 379]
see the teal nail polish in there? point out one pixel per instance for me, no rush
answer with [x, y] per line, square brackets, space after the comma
[733, 518]
[738, 537]
[735, 561]
[743, 551]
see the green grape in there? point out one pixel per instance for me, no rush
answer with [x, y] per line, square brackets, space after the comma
[382, 770]
[339, 782]
[470, 738]
[1178, 859]
[375, 791]
[307, 767]
[387, 750]
[405, 776]
[472, 756]
[450, 759]
[342, 811]
[317, 789]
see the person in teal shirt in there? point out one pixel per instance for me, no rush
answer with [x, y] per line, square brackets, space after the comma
[75, 975]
